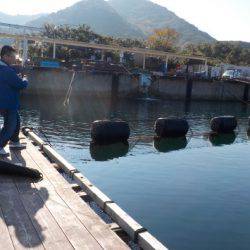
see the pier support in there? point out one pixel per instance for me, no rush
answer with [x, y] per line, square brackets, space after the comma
[54, 50]
[166, 65]
[25, 52]
[246, 92]
[121, 56]
[103, 56]
[115, 87]
[144, 61]
[206, 68]
[189, 84]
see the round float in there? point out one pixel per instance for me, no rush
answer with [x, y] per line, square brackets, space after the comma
[167, 127]
[106, 131]
[224, 124]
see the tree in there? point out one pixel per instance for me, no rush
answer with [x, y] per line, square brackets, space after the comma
[163, 39]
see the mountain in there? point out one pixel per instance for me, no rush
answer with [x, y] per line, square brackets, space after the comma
[244, 45]
[148, 16]
[18, 19]
[97, 14]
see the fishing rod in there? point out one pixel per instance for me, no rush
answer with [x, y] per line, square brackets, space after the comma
[68, 95]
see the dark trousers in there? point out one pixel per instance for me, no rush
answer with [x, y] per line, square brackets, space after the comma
[11, 127]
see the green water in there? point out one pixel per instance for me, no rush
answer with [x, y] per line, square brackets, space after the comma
[190, 194]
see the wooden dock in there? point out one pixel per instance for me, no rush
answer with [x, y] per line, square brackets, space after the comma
[52, 214]
[48, 214]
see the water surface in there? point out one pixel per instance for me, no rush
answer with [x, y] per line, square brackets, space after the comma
[190, 194]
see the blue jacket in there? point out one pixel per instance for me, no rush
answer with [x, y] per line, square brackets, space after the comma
[10, 86]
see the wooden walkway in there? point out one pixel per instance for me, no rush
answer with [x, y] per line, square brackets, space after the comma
[48, 214]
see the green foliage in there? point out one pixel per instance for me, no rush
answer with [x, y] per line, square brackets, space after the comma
[227, 52]
[80, 33]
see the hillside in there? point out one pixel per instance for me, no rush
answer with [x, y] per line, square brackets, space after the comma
[18, 19]
[244, 45]
[97, 14]
[148, 16]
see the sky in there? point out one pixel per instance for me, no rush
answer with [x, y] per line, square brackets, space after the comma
[222, 19]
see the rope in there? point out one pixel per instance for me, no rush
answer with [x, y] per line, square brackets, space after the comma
[67, 97]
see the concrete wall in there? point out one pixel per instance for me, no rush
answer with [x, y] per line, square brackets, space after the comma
[176, 89]
[56, 82]
[128, 86]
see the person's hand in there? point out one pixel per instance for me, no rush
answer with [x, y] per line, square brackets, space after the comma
[25, 78]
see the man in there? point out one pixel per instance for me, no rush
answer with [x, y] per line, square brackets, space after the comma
[10, 86]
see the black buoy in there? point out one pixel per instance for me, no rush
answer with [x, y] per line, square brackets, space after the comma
[167, 127]
[106, 132]
[108, 152]
[248, 130]
[224, 124]
[165, 145]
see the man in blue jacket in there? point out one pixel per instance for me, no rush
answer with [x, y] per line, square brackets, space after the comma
[10, 86]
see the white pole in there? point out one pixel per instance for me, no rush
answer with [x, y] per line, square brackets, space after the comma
[121, 56]
[25, 51]
[206, 68]
[166, 66]
[54, 50]
[144, 61]
[103, 55]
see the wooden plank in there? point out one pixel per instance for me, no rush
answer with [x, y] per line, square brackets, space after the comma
[52, 154]
[5, 240]
[101, 231]
[44, 223]
[36, 138]
[69, 224]
[39, 159]
[105, 237]
[148, 242]
[129, 225]
[21, 229]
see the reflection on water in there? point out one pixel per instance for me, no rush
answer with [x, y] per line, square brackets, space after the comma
[108, 152]
[222, 139]
[189, 195]
[165, 145]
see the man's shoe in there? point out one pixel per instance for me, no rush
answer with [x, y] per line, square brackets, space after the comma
[17, 145]
[3, 152]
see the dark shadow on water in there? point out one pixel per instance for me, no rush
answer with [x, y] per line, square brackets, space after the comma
[19, 203]
[248, 133]
[165, 145]
[222, 139]
[108, 152]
